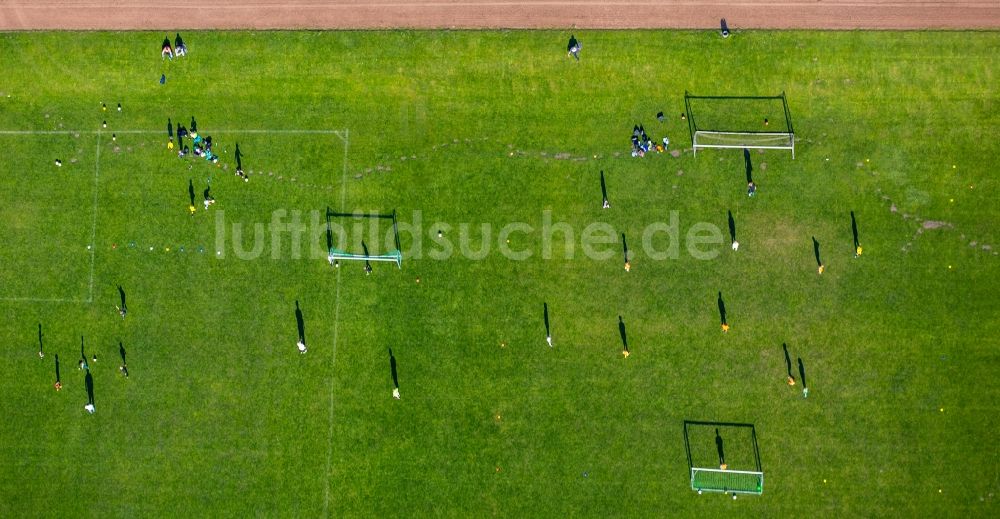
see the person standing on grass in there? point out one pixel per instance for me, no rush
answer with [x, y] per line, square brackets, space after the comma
[802, 377]
[122, 310]
[83, 356]
[624, 337]
[89, 381]
[819, 263]
[208, 197]
[124, 367]
[41, 353]
[722, 314]
[58, 384]
[239, 164]
[191, 196]
[854, 231]
[604, 192]
[573, 48]
[395, 377]
[720, 447]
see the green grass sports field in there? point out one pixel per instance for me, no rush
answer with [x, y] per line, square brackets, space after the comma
[489, 137]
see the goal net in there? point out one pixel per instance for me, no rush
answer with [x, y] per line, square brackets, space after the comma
[760, 122]
[723, 457]
[340, 249]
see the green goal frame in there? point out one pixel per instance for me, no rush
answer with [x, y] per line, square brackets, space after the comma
[741, 480]
[335, 254]
[720, 135]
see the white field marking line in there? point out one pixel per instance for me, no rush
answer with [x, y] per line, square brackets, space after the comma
[336, 329]
[44, 300]
[153, 132]
[93, 225]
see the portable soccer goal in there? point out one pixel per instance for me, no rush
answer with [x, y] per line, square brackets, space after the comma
[341, 253]
[759, 122]
[723, 457]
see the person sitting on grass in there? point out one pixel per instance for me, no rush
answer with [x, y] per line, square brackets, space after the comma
[167, 51]
[636, 147]
[179, 46]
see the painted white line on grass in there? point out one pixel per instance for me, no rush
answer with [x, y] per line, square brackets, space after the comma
[336, 329]
[44, 300]
[93, 225]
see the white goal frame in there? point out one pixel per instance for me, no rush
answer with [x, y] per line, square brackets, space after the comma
[736, 138]
[759, 476]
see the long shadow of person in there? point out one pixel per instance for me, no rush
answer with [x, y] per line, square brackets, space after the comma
[748, 164]
[545, 314]
[720, 447]
[58, 380]
[788, 360]
[802, 372]
[368, 265]
[191, 191]
[854, 231]
[625, 248]
[121, 353]
[239, 157]
[604, 192]
[194, 125]
[732, 227]
[83, 356]
[300, 322]
[392, 370]
[395, 377]
[819, 262]
[722, 311]
[621, 331]
[41, 350]
[89, 380]
[121, 295]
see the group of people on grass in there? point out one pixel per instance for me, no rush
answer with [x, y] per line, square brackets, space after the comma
[178, 49]
[643, 144]
[202, 145]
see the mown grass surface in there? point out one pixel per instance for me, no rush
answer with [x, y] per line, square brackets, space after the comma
[221, 416]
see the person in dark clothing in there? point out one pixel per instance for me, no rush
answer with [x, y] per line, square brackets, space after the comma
[573, 48]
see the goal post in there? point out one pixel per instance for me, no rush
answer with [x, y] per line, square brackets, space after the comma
[723, 457]
[760, 122]
[341, 253]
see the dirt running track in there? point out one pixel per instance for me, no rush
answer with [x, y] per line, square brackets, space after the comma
[379, 14]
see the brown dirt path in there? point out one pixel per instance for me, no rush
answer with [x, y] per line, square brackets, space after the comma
[380, 14]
